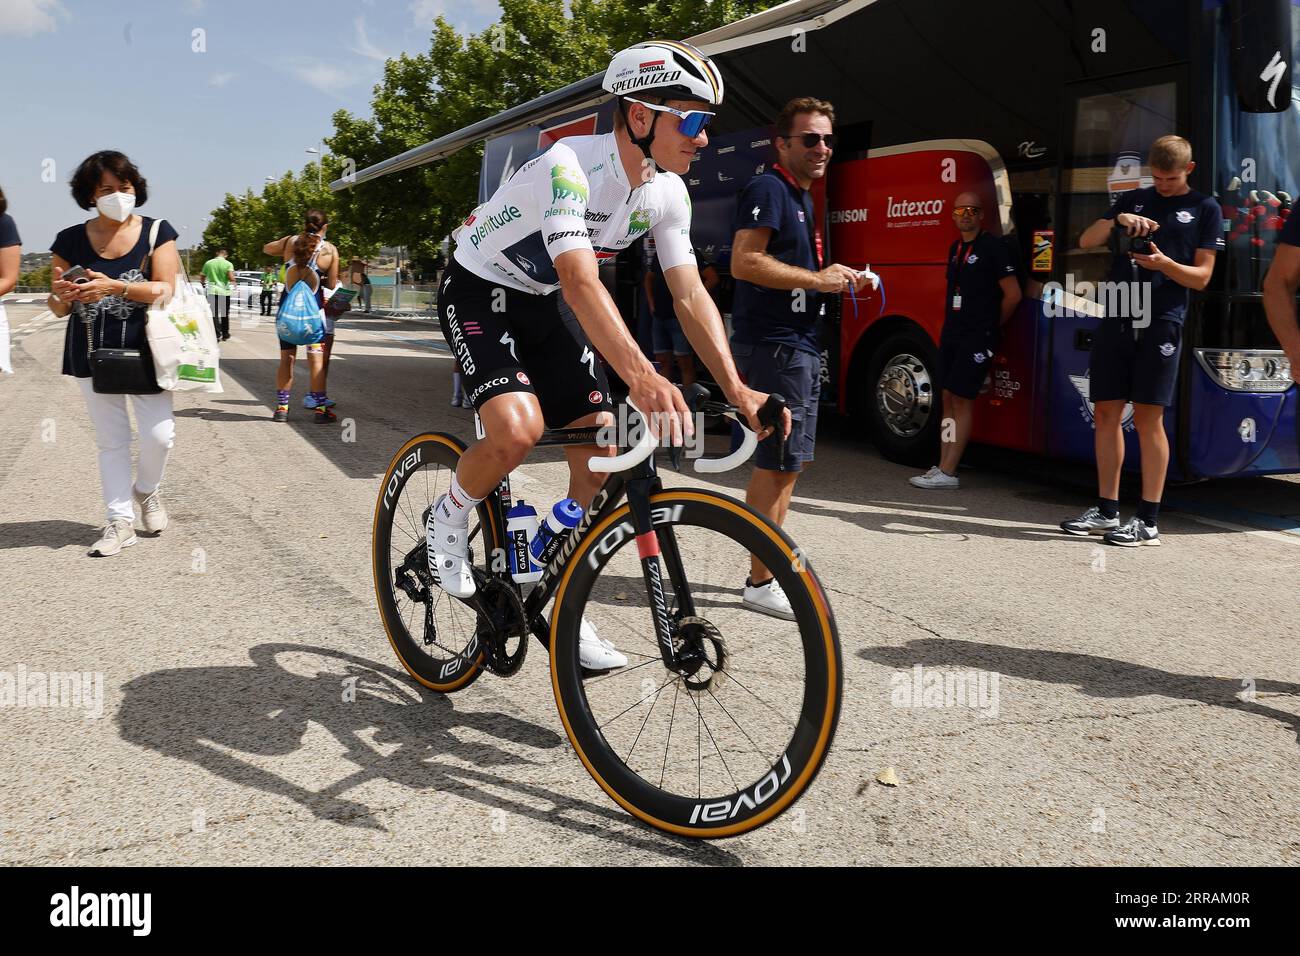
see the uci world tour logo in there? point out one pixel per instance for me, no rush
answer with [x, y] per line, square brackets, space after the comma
[565, 184]
[639, 222]
[1088, 409]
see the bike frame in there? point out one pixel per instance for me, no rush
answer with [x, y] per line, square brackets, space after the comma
[638, 483]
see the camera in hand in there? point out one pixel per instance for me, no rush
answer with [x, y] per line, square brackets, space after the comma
[1122, 244]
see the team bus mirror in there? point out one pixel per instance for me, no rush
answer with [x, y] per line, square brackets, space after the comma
[1261, 54]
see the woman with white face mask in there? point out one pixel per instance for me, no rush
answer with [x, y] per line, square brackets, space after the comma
[120, 282]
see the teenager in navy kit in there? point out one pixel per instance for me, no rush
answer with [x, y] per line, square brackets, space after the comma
[1135, 357]
[982, 294]
[776, 259]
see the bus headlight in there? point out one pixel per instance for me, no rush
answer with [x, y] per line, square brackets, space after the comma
[1247, 371]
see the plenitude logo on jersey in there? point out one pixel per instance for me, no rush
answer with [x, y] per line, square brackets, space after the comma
[566, 184]
[490, 223]
[639, 222]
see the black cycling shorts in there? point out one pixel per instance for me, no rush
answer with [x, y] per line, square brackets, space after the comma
[511, 341]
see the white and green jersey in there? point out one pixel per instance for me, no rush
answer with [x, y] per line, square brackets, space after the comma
[574, 195]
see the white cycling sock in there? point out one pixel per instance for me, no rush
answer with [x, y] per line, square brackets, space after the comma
[457, 504]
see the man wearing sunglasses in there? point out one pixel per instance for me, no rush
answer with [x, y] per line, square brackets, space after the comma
[982, 293]
[529, 354]
[776, 259]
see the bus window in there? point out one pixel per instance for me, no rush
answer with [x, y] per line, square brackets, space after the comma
[1254, 178]
[1112, 132]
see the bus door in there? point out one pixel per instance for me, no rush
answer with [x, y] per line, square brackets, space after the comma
[1111, 123]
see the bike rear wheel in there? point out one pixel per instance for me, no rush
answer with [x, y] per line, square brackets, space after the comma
[729, 747]
[433, 634]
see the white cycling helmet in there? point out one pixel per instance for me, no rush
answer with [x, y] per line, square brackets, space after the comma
[667, 68]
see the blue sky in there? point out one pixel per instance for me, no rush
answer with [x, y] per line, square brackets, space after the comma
[81, 75]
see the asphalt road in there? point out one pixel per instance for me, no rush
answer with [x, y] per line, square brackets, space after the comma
[1146, 706]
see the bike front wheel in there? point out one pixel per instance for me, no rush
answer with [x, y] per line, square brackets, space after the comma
[729, 746]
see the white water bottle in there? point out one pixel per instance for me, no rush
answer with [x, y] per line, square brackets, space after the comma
[521, 526]
[559, 522]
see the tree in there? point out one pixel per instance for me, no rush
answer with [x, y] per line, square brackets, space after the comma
[38, 278]
[533, 49]
[244, 224]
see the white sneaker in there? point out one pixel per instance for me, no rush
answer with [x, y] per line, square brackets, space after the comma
[447, 546]
[152, 512]
[118, 535]
[596, 653]
[934, 478]
[768, 599]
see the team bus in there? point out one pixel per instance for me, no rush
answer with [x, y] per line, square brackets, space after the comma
[1045, 108]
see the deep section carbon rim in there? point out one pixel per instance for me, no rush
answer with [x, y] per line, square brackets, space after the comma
[432, 632]
[729, 745]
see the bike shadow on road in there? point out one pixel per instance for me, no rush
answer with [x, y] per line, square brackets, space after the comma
[230, 719]
[1091, 675]
[52, 533]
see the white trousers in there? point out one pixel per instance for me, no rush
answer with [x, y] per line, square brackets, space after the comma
[4, 341]
[153, 416]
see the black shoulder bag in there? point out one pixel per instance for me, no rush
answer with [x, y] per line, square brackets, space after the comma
[123, 371]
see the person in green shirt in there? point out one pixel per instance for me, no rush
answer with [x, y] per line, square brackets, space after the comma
[218, 273]
[268, 289]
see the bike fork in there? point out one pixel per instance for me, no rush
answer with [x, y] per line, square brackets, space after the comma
[648, 550]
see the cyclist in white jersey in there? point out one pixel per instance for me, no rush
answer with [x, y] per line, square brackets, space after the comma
[527, 352]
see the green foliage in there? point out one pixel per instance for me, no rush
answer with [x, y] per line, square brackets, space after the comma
[37, 279]
[244, 224]
[534, 49]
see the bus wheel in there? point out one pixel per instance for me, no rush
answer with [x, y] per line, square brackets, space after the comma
[899, 399]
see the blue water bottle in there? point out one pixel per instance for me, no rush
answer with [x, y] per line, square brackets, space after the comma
[559, 523]
[521, 527]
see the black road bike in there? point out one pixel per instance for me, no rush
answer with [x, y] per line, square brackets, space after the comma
[722, 716]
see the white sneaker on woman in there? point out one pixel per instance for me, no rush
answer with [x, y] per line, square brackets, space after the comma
[152, 513]
[118, 535]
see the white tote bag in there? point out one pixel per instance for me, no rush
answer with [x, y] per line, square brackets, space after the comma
[184, 342]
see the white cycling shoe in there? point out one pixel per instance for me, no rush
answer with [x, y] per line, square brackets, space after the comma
[447, 546]
[595, 653]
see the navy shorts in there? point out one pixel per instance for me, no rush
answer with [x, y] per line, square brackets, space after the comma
[797, 376]
[668, 335]
[1141, 368]
[964, 363]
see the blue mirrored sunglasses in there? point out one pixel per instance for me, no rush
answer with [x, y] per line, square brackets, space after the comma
[690, 124]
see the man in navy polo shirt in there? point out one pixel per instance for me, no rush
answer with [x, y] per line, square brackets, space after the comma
[982, 293]
[1135, 352]
[1279, 292]
[776, 260]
